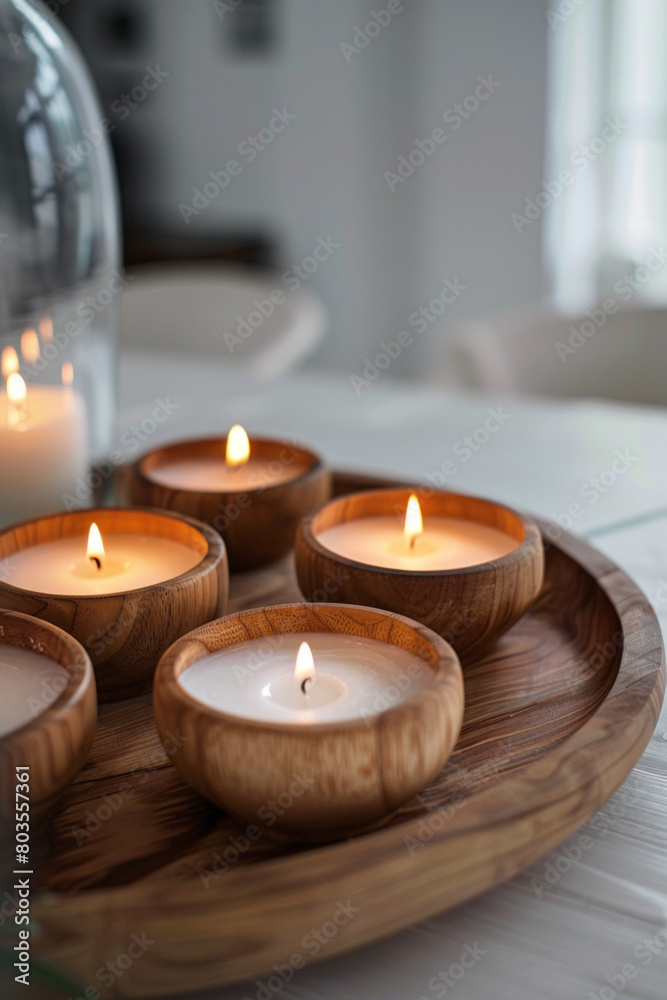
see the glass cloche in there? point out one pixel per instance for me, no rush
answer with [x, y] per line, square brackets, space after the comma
[60, 277]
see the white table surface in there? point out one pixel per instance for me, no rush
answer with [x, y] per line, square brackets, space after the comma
[573, 939]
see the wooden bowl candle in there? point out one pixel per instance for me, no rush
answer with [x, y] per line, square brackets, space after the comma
[465, 567]
[254, 492]
[48, 714]
[313, 719]
[124, 582]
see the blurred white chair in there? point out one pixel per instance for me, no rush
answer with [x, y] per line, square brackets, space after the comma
[222, 312]
[620, 356]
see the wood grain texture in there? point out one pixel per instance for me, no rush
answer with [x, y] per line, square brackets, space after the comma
[258, 525]
[126, 633]
[357, 771]
[556, 716]
[55, 744]
[470, 607]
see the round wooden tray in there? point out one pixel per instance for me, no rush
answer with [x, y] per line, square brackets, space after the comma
[556, 716]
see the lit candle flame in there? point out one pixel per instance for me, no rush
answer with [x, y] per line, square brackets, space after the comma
[10, 362]
[46, 328]
[414, 524]
[238, 447]
[16, 389]
[30, 346]
[67, 372]
[304, 671]
[17, 395]
[95, 550]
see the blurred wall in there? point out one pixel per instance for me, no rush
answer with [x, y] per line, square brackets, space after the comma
[358, 111]
[461, 207]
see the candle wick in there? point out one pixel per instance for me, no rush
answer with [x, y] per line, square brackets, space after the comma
[412, 541]
[97, 561]
[304, 682]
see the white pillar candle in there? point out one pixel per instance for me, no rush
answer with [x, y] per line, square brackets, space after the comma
[446, 543]
[353, 678]
[30, 683]
[43, 449]
[130, 562]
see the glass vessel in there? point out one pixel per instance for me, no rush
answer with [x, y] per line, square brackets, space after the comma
[60, 277]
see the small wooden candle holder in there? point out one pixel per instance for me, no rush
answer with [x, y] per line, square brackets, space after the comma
[53, 747]
[470, 607]
[258, 525]
[125, 633]
[362, 769]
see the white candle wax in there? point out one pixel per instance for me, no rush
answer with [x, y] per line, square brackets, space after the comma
[43, 453]
[131, 562]
[213, 475]
[354, 677]
[446, 543]
[29, 682]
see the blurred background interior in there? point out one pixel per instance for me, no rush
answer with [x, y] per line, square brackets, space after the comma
[544, 207]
